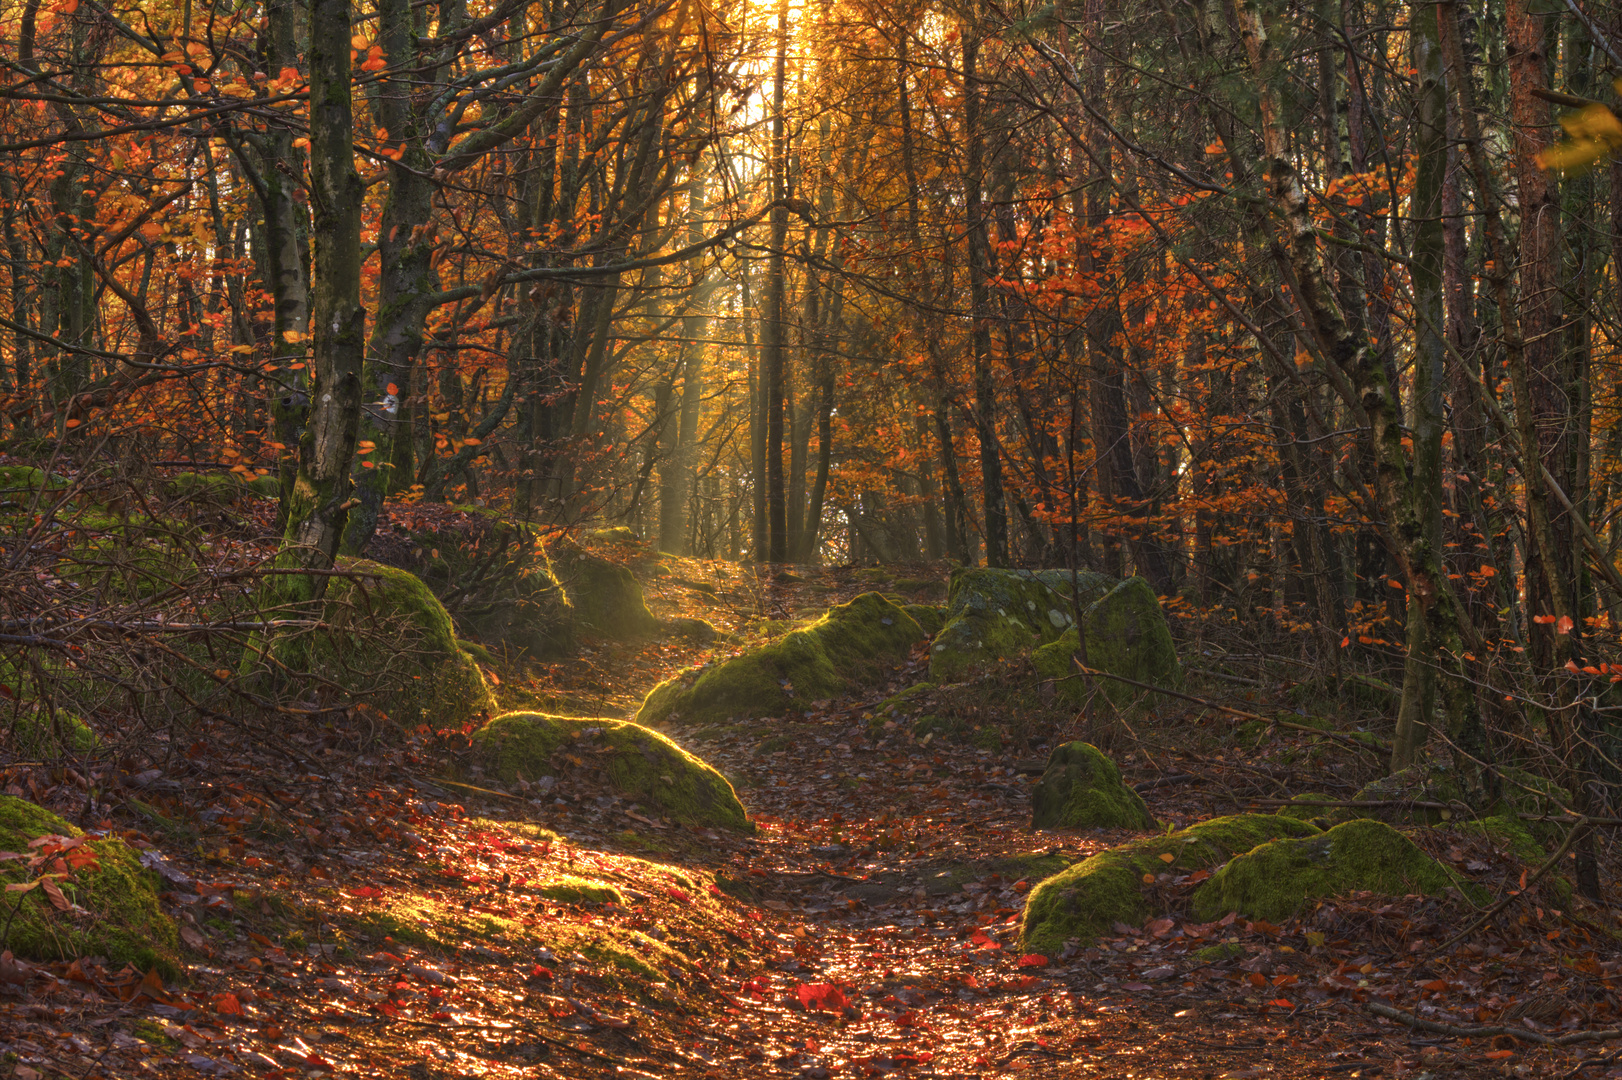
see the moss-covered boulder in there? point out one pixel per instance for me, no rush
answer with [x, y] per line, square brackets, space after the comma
[1127, 635]
[1279, 879]
[994, 614]
[605, 596]
[640, 764]
[389, 641]
[1081, 788]
[844, 649]
[206, 489]
[615, 534]
[492, 574]
[42, 733]
[1089, 897]
[115, 909]
[19, 484]
[1405, 794]
[929, 616]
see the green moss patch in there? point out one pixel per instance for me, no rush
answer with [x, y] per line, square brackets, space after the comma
[1081, 788]
[842, 650]
[568, 889]
[640, 764]
[48, 735]
[391, 642]
[1089, 897]
[928, 616]
[1279, 879]
[118, 914]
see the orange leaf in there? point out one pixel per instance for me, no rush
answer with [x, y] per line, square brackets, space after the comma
[1564, 625]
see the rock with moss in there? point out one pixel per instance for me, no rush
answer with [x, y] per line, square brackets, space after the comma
[615, 534]
[1089, 897]
[389, 641]
[605, 596]
[698, 630]
[640, 764]
[929, 616]
[21, 484]
[1082, 789]
[114, 910]
[1429, 793]
[42, 733]
[848, 647]
[1127, 635]
[492, 573]
[994, 614]
[1280, 879]
[1309, 806]
[205, 489]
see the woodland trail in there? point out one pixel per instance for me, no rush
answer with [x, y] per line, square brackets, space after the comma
[350, 910]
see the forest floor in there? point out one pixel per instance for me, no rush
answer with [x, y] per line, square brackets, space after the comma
[357, 910]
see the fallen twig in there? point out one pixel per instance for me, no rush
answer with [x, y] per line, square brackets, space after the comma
[1460, 1032]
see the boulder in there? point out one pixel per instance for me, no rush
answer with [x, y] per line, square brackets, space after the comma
[928, 616]
[1127, 635]
[1279, 879]
[1522, 793]
[605, 596]
[641, 765]
[844, 649]
[1088, 898]
[492, 574]
[994, 614]
[1081, 788]
[115, 909]
[390, 642]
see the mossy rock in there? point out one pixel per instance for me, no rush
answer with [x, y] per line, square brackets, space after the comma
[493, 574]
[268, 486]
[640, 764]
[1280, 879]
[390, 642]
[205, 489]
[568, 889]
[929, 616]
[1523, 792]
[120, 917]
[48, 735]
[844, 649]
[605, 596]
[901, 704]
[20, 483]
[617, 534]
[1127, 635]
[994, 614]
[1308, 806]
[1081, 788]
[1089, 897]
[1220, 952]
[699, 630]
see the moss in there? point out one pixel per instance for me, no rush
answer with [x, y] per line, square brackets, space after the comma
[903, 703]
[1279, 879]
[700, 630]
[1081, 788]
[20, 483]
[618, 534]
[478, 652]
[121, 919]
[1216, 954]
[1089, 897]
[930, 617]
[205, 489]
[392, 642]
[604, 595]
[638, 763]
[568, 889]
[845, 648]
[995, 614]
[264, 487]
[1308, 806]
[49, 735]
[1127, 635]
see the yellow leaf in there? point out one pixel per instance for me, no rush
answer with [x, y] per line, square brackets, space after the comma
[1148, 879]
[293, 336]
[1167, 857]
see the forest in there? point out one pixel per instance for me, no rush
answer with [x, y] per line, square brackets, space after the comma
[620, 537]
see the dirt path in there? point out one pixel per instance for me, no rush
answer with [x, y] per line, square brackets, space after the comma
[353, 912]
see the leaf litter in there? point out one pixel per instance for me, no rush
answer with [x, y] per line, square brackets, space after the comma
[368, 917]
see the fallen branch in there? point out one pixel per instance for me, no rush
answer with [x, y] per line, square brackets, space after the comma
[1460, 1032]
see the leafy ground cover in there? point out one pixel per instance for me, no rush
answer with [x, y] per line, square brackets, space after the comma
[349, 907]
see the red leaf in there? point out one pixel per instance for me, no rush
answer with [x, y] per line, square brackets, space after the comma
[227, 1005]
[1033, 960]
[366, 892]
[1564, 625]
[1281, 1003]
[980, 940]
[822, 996]
[676, 894]
[57, 899]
